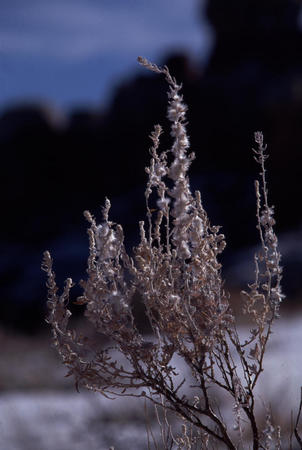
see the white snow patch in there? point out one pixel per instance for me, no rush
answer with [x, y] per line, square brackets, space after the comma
[62, 420]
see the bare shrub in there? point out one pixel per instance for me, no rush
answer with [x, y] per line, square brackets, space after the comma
[176, 270]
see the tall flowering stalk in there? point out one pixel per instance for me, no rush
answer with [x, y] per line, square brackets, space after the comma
[176, 270]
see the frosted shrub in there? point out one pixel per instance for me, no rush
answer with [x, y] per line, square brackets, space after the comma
[176, 271]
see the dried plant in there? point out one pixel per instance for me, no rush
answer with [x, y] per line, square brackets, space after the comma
[176, 270]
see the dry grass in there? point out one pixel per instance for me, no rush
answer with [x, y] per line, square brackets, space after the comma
[176, 269]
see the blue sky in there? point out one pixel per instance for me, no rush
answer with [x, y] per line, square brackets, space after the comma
[72, 52]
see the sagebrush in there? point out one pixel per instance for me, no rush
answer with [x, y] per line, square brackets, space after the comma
[175, 269]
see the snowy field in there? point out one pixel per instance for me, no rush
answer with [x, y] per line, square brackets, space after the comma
[58, 418]
[65, 420]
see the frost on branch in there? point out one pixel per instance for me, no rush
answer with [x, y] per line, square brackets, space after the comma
[175, 269]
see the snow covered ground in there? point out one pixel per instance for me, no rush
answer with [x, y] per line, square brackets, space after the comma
[62, 419]
[65, 420]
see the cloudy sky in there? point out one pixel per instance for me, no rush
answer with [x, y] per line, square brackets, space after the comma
[72, 52]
